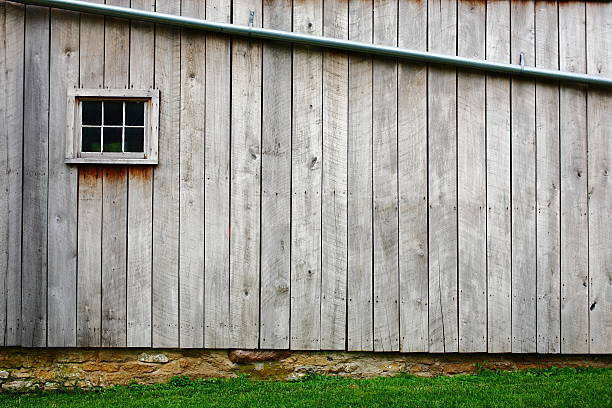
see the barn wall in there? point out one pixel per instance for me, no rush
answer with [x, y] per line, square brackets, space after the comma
[308, 199]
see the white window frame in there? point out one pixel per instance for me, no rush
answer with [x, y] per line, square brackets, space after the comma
[74, 155]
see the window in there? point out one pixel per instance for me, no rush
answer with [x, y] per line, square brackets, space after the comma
[109, 126]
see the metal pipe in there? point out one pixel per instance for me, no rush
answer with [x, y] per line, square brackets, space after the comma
[325, 42]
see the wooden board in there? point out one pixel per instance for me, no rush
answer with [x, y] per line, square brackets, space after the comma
[442, 98]
[114, 233]
[306, 181]
[360, 313]
[216, 257]
[574, 324]
[63, 179]
[275, 181]
[471, 182]
[548, 197]
[115, 195]
[385, 200]
[11, 166]
[334, 244]
[166, 185]
[499, 274]
[523, 184]
[89, 234]
[412, 182]
[599, 119]
[35, 178]
[140, 196]
[191, 238]
[245, 180]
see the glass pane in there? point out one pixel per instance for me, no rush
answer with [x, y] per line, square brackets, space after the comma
[112, 140]
[113, 113]
[134, 113]
[91, 139]
[92, 112]
[134, 140]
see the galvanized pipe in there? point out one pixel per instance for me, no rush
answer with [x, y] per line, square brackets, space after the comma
[325, 42]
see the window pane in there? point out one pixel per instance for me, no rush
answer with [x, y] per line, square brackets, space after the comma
[92, 112]
[113, 113]
[134, 113]
[91, 139]
[112, 140]
[134, 140]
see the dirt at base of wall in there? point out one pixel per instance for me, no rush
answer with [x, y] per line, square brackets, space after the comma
[26, 369]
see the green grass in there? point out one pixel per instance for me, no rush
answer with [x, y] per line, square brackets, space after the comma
[554, 387]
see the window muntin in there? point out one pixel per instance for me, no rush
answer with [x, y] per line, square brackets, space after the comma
[109, 126]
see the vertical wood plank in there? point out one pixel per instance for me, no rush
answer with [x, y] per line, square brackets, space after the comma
[114, 232]
[245, 180]
[384, 159]
[334, 185]
[499, 276]
[191, 238]
[442, 165]
[523, 183]
[471, 182]
[166, 184]
[599, 55]
[360, 318]
[11, 166]
[62, 227]
[140, 195]
[574, 325]
[216, 206]
[35, 178]
[412, 175]
[114, 195]
[306, 181]
[89, 234]
[275, 181]
[547, 178]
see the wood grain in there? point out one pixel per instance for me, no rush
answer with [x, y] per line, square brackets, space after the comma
[12, 21]
[275, 182]
[360, 313]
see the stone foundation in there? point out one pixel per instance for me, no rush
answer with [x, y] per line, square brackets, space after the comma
[28, 369]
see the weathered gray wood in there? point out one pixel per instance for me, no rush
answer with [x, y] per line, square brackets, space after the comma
[245, 180]
[499, 306]
[191, 238]
[523, 184]
[334, 186]
[11, 165]
[574, 324]
[443, 314]
[384, 159]
[412, 181]
[306, 181]
[599, 119]
[471, 182]
[547, 190]
[62, 255]
[114, 233]
[115, 195]
[217, 207]
[89, 234]
[140, 196]
[166, 184]
[275, 181]
[35, 178]
[360, 311]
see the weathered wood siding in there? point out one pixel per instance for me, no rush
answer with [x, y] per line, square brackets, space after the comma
[311, 199]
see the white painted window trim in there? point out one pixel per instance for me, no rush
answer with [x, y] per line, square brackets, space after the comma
[73, 127]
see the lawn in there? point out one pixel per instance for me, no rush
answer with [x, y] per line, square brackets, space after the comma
[547, 388]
